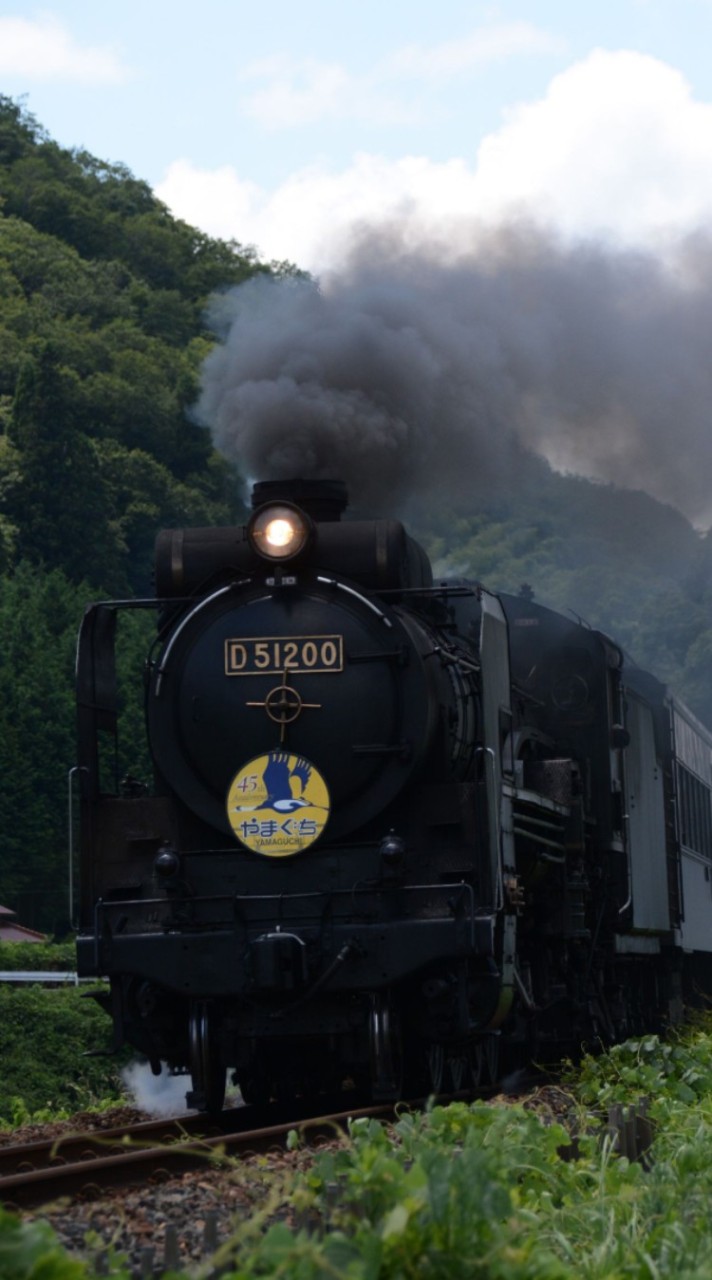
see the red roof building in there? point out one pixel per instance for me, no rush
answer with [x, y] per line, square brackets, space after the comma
[11, 931]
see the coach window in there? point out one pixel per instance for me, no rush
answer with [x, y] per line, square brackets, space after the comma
[695, 810]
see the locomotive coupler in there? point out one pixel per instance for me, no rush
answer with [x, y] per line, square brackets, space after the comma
[279, 962]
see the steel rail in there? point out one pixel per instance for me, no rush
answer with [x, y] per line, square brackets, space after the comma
[91, 1173]
[63, 1148]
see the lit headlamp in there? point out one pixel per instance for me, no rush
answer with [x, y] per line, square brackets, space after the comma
[279, 531]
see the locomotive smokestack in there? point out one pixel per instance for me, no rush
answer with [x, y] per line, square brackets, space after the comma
[321, 499]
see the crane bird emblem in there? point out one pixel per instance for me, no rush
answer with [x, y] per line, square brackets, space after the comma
[278, 804]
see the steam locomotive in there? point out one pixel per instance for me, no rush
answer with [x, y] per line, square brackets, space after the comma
[403, 834]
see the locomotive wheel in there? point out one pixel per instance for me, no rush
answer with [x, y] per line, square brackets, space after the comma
[435, 1064]
[492, 1056]
[256, 1091]
[386, 1050]
[459, 1067]
[207, 1073]
[485, 1061]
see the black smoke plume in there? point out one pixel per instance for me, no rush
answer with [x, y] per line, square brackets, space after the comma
[406, 374]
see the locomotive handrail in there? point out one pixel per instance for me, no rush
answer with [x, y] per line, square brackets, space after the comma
[499, 886]
[341, 586]
[629, 869]
[181, 626]
[453, 658]
[525, 795]
[443, 590]
[77, 768]
[131, 602]
[539, 839]
[439, 886]
[442, 888]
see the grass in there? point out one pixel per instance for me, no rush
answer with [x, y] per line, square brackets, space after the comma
[480, 1192]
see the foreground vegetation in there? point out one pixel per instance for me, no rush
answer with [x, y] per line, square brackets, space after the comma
[45, 1033]
[477, 1191]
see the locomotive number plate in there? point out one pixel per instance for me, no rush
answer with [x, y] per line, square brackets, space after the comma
[270, 655]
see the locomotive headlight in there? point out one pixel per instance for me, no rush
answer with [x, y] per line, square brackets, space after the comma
[279, 532]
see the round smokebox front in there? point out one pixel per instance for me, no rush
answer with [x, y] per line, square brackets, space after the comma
[311, 677]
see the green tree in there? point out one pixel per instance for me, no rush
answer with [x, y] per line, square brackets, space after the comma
[58, 501]
[143, 496]
[39, 614]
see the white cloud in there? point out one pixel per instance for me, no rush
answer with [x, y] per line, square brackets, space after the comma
[483, 45]
[302, 91]
[215, 200]
[618, 144]
[307, 218]
[297, 93]
[42, 49]
[617, 147]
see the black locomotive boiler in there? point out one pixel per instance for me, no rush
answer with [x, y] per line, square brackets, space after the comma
[401, 832]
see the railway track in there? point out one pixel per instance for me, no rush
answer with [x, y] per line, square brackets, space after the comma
[87, 1164]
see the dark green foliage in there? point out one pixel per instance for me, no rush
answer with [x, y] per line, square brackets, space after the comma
[142, 495]
[56, 501]
[30, 1251]
[29, 957]
[482, 1191]
[102, 294]
[70, 381]
[473, 1191]
[92, 507]
[44, 1035]
[19, 131]
[39, 614]
[103, 212]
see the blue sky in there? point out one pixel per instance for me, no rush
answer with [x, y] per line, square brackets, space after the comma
[280, 123]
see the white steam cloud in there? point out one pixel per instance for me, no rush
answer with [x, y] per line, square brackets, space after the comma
[162, 1095]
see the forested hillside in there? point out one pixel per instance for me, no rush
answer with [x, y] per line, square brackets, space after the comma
[102, 296]
[619, 560]
[101, 340]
